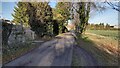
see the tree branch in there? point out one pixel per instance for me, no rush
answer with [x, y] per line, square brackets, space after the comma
[114, 6]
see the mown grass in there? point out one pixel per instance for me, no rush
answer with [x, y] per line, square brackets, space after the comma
[107, 33]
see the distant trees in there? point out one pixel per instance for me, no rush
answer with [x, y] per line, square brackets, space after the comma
[107, 26]
[100, 26]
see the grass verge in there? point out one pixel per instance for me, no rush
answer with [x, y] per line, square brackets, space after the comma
[16, 50]
[103, 57]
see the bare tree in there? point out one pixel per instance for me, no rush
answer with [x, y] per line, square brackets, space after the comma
[114, 6]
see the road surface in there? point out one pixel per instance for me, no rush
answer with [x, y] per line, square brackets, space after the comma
[84, 58]
[57, 52]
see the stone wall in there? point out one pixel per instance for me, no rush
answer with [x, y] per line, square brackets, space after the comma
[20, 35]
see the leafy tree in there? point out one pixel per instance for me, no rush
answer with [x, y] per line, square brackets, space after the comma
[20, 16]
[40, 20]
[83, 10]
[61, 13]
[38, 15]
[55, 27]
[63, 8]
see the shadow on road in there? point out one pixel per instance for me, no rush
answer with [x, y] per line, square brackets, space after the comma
[56, 52]
[101, 57]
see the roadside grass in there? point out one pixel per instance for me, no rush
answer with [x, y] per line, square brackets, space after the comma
[103, 57]
[107, 44]
[113, 34]
[16, 50]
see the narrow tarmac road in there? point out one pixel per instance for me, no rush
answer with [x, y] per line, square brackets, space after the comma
[57, 52]
[84, 58]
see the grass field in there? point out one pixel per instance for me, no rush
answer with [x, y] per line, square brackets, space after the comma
[107, 33]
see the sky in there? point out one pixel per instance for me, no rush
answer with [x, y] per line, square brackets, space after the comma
[109, 16]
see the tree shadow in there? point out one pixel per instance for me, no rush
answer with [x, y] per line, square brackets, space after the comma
[103, 57]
